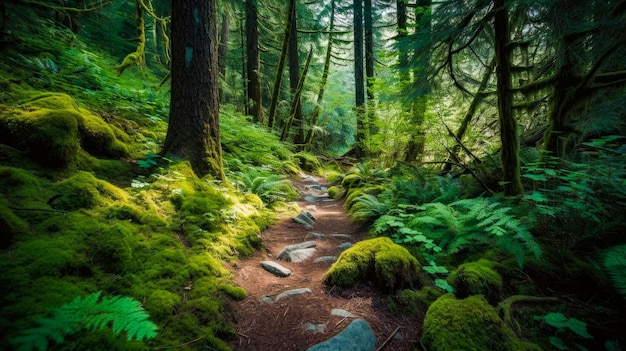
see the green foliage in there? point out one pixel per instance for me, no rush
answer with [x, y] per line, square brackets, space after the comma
[476, 278]
[270, 188]
[413, 302]
[464, 224]
[614, 263]
[561, 323]
[123, 313]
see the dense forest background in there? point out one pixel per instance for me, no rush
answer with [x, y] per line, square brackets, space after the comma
[485, 136]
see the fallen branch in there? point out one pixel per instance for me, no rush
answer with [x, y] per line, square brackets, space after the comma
[384, 344]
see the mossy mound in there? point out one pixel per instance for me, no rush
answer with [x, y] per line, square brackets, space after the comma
[308, 162]
[468, 324]
[84, 190]
[378, 262]
[52, 128]
[477, 278]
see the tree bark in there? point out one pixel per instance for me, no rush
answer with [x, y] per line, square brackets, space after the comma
[509, 153]
[359, 87]
[222, 51]
[193, 127]
[253, 68]
[281, 66]
[294, 75]
[320, 95]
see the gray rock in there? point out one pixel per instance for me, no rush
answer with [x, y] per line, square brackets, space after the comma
[341, 236]
[345, 246]
[304, 223]
[313, 235]
[315, 198]
[341, 313]
[266, 299]
[357, 336]
[287, 249]
[293, 292]
[325, 259]
[315, 328]
[306, 217]
[275, 269]
[300, 255]
[309, 179]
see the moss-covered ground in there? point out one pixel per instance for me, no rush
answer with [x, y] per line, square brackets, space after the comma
[87, 205]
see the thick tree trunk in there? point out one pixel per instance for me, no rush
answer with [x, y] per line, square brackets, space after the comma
[509, 154]
[253, 68]
[296, 98]
[294, 76]
[193, 128]
[359, 87]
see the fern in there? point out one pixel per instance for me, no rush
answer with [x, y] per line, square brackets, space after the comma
[615, 264]
[91, 313]
[367, 207]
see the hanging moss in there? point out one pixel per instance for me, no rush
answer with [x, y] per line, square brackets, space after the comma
[469, 324]
[379, 262]
[476, 278]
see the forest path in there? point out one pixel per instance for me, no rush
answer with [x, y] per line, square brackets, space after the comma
[265, 321]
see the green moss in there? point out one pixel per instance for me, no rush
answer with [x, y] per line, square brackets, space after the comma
[84, 190]
[379, 262]
[336, 192]
[112, 250]
[414, 302]
[308, 162]
[476, 278]
[52, 256]
[234, 292]
[469, 324]
[53, 137]
[10, 225]
[161, 303]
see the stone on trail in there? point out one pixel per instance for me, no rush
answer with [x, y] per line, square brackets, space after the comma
[293, 292]
[275, 269]
[315, 198]
[325, 259]
[287, 249]
[313, 235]
[315, 328]
[303, 222]
[357, 336]
[345, 246]
[300, 255]
[341, 313]
[342, 236]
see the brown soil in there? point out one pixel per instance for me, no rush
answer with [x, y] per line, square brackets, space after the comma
[280, 325]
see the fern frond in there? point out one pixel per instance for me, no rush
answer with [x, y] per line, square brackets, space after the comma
[91, 313]
[615, 264]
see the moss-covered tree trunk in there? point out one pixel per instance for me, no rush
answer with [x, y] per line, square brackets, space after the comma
[193, 128]
[294, 76]
[253, 68]
[509, 153]
[222, 51]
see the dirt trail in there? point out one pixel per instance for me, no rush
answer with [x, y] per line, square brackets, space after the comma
[298, 322]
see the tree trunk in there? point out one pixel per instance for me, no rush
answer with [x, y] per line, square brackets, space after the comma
[222, 51]
[359, 87]
[320, 95]
[296, 98]
[294, 75]
[193, 128]
[281, 65]
[509, 154]
[415, 147]
[253, 68]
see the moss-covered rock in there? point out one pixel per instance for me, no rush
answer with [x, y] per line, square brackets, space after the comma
[379, 262]
[52, 128]
[84, 190]
[10, 225]
[468, 324]
[308, 162]
[477, 278]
